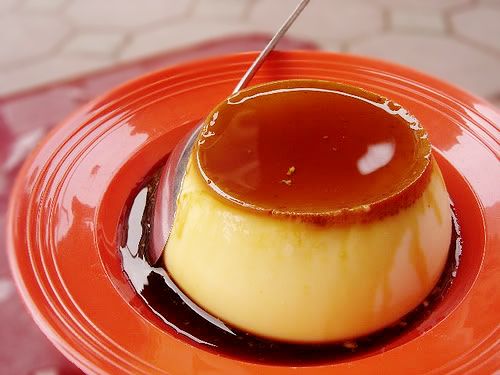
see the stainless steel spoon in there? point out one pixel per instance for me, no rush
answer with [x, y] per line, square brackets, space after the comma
[175, 169]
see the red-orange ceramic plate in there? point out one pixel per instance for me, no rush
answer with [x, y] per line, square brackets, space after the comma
[69, 197]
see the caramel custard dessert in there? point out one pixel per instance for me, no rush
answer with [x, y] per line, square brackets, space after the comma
[310, 212]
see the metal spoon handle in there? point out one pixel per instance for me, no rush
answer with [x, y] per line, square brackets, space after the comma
[270, 46]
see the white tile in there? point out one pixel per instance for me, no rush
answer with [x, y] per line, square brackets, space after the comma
[126, 14]
[442, 57]
[223, 9]
[180, 35]
[330, 45]
[480, 25]
[321, 19]
[43, 5]
[29, 36]
[490, 2]
[6, 5]
[39, 29]
[420, 4]
[417, 20]
[94, 43]
[53, 69]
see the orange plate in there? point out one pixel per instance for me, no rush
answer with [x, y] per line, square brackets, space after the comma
[69, 197]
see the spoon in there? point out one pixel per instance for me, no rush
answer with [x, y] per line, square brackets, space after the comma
[175, 169]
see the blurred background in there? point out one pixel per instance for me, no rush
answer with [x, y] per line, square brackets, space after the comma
[44, 41]
[57, 54]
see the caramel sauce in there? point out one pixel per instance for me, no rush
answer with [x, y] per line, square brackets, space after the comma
[180, 316]
[321, 151]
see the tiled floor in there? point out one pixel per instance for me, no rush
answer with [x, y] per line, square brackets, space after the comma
[48, 40]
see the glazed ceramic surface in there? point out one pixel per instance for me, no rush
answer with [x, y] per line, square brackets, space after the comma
[67, 207]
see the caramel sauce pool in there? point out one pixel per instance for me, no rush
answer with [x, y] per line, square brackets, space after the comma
[313, 147]
[180, 316]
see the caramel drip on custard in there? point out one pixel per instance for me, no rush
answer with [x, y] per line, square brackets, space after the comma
[409, 224]
[417, 255]
[384, 286]
[433, 203]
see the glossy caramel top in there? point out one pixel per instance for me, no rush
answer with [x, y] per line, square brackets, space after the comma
[317, 150]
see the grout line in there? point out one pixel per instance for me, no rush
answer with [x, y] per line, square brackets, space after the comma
[17, 6]
[344, 47]
[492, 51]
[46, 55]
[47, 13]
[192, 6]
[129, 33]
[386, 19]
[362, 37]
[127, 40]
[58, 47]
[448, 25]
[249, 7]
[65, 6]
[459, 8]
[454, 34]
[153, 25]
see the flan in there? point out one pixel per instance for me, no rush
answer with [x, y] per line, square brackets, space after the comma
[310, 212]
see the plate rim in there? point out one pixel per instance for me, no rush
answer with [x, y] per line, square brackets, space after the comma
[79, 114]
